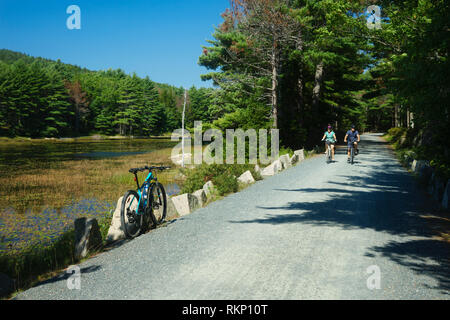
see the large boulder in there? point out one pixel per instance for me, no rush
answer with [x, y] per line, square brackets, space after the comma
[294, 159]
[446, 196]
[408, 159]
[209, 189]
[285, 161]
[300, 155]
[246, 178]
[172, 212]
[436, 187]
[272, 169]
[258, 170]
[7, 285]
[115, 231]
[423, 138]
[417, 165]
[423, 170]
[87, 237]
[201, 197]
[185, 204]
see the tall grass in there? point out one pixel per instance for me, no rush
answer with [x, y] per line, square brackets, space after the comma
[69, 181]
[34, 191]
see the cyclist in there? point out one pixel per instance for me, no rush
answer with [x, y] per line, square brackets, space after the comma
[352, 137]
[330, 137]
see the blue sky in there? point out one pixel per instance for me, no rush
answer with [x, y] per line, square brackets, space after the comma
[161, 39]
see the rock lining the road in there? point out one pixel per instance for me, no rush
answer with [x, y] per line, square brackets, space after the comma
[87, 237]
[115, 232]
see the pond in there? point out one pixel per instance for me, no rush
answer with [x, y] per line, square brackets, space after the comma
[44, 152]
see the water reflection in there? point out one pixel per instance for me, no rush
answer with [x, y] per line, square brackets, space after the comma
[22, 153]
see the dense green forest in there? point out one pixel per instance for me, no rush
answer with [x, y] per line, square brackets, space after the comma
[44, 98]
[305, 64]
[288, 64]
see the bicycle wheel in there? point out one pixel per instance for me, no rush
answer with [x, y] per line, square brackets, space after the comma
[327, 158]
[352, 154]
[158, 203]
[131, 216]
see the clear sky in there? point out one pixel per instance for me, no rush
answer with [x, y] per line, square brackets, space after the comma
[161, 39]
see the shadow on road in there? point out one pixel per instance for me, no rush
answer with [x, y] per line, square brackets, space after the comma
[386, 200]
[64, 276]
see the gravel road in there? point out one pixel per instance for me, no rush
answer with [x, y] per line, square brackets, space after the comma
[310, 232]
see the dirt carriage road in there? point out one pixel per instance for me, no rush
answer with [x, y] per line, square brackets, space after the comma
[310, 232]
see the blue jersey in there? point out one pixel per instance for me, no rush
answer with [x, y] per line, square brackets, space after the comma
[352, 136]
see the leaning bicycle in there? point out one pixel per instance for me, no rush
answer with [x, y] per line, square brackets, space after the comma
[145, 206]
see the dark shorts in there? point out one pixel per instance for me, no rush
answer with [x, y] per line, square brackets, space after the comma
[351, 143]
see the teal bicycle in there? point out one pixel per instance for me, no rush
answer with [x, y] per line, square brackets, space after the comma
[145, 206]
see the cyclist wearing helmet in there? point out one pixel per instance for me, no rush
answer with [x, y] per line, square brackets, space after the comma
[330, 137]
[352, 137]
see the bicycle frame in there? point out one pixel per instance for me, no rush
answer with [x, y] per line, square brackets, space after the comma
[151, 177]
[329, 150]
[352, 150]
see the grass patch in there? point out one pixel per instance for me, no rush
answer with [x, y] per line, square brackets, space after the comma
[34, 203]
[223, 176]
[39, 261]
[70, 181]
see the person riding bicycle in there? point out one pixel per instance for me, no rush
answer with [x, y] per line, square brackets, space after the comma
[330, 138]
[353, 138]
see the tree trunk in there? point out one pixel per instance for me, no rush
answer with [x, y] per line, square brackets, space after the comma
[317, 84]
[408, 118]
[77, 118]
[299, 47]
[396, 117]
[274, 89]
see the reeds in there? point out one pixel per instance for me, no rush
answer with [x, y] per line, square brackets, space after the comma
[67, 182]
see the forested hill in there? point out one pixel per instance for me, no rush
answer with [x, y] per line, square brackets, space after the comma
[46, 98]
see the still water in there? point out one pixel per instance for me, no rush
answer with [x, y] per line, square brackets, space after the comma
[44, 152]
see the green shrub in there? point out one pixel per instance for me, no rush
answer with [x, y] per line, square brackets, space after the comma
[222, 175]
[287, 151]
[396, 134]
[225, 184]
[104, 223]
[26, 266]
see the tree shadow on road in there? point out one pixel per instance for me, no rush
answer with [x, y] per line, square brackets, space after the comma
[386, 200]
[426, 256]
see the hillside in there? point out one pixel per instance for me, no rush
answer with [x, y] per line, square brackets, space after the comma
[45, 98]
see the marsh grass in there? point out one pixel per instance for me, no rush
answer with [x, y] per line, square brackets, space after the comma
[66, 182]
[40, 202]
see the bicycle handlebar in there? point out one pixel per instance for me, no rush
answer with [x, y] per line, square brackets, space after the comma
[146, 168]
